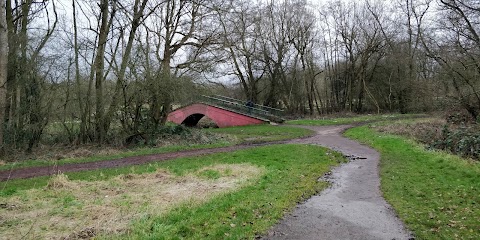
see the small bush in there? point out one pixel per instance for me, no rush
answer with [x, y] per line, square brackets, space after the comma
[174, 130]
[459, 117]
[463, 140]
[179, 134]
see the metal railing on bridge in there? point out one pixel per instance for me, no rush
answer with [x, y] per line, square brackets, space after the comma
[236, 105]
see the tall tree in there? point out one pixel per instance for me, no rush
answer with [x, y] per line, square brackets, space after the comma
[176, 26]
[241, 43]
[3, 67]
[275, 27]
[456, 48]
[303, 37]
[26, 116]
[83, 104]
[105, 22]
[136, 18]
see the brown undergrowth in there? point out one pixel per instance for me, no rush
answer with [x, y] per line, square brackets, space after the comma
[458, 137]
[52, 150]
[80, 209]
[422, 130]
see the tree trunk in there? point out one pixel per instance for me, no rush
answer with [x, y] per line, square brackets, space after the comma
[137, 17]
[168, 95]
[11, 75]
[99, 71]
[3, 69]
[83, 116]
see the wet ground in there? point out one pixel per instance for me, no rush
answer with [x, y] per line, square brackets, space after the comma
[353, 208]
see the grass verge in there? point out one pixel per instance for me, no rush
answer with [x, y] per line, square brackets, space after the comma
[350, 120]
[436, 194]
[289, 174]
[109, 156]
[244, 134]
[263, 133]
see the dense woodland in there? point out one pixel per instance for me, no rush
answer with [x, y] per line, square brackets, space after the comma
[96, 70]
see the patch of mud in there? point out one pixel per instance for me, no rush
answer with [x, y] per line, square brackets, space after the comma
[81, 210]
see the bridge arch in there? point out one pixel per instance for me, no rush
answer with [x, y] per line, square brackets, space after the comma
[191, 114]
[192, 120]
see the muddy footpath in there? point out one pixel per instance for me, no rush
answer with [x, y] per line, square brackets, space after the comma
[353, 207]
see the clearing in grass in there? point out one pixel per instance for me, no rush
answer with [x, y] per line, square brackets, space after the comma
[64, 208]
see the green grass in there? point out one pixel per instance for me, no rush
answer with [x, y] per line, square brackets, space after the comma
[350, 120]
[255, 133]
[264, 133]
[436, 194]
[210, 174]
[291, 175]
[127, 153]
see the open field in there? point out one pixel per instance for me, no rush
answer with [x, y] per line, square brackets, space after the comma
[105, 155]
[233, 135]
[245, 192]
[263, 133]
[436, 194]
[351, 120]
[241, 194]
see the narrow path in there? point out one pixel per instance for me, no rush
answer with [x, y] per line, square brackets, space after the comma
[353, 208]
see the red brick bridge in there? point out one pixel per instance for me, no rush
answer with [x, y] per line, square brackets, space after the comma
[225, 112]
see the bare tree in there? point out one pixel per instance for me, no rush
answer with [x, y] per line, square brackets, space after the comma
[275, 27]
[3, 67]
[83, 103]
[456, 48]
[105, 22]
[137, 17]
[26, 117]
[241, 43]
[333, 83]
[303, 37]
[175, 26]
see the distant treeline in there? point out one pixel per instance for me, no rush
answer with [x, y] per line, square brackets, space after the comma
[93, 71]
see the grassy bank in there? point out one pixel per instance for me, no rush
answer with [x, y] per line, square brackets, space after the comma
[234, 135]
[436, 194]
[289, 174]
[109, 155]
[263, 133]
[350, 120]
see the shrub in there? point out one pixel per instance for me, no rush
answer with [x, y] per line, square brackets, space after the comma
[463, 140]
[457, 134]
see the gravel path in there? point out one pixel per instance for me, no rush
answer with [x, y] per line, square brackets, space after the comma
[353, 208]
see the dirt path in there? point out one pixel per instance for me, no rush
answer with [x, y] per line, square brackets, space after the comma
[121, 162]
[353, 208]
